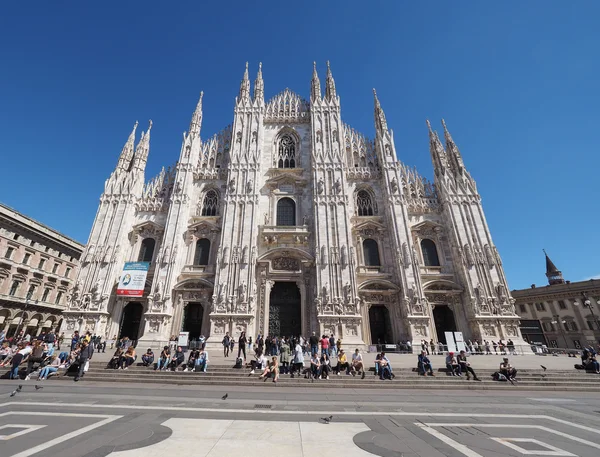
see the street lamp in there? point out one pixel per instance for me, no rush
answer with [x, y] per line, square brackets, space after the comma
[558, 320]
[587, 303]
[27, 301]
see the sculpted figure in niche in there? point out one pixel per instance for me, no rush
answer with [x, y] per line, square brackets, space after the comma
[249, 186]
[232, 185]
[266, 218]
[320, 186]
[348, 292]
[337, 186]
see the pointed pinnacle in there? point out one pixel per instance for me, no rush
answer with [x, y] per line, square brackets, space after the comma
[149, 125]
[429, 126]
[246, 73]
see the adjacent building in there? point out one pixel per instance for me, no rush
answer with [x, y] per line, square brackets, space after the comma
[290, 221]
[38, 266]
[562, 314]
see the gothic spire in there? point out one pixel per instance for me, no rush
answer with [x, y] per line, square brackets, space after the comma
[143, 147]
[438, 155]
[553, 274]
[259, 85]
[127, 152]
[380, 122]
[330, 93]
[245, 87]
[453, 152]
[315, 84]
[196, 122]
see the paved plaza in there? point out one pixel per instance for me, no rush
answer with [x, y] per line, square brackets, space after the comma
[100, 419]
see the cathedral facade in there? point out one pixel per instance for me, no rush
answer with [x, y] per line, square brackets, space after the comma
[289, 221]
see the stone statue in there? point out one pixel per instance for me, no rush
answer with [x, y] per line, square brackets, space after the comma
[245, 255]
[266, 218]
[95, 290]
[305, 220]
[321, 186]
[347, 292]
[338, 309]
[337, 186]
[243, 290]
[344, 256]
[394, 185]
[249, 186]
[232, 186]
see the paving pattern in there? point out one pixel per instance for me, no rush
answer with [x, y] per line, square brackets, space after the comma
[96, 421]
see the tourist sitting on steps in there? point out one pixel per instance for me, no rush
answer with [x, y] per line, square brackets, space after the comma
[148, 358]
[325, 366]
[381, 361]
[178, 359]
[164, 359]
[357, 364]
[191, 363]
[342, 363]
[202, 361]
[315, 367]
[260, 362]
[466, 366]
[272, 370]
[507, 370]
[424, 364]
[128, 358]
[452, 365]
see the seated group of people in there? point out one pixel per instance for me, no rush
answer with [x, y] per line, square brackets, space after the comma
[455, 364]
[40, 357]
[589, 360]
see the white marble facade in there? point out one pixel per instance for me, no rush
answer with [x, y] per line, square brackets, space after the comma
[290, 221]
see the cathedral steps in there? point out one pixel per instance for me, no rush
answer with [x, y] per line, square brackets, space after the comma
[405, 378]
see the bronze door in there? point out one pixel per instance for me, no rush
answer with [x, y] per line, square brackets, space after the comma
[285, 310]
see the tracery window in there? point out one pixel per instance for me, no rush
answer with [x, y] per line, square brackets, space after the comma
[430, 255]
[286, 152]
[286, 212]
[364, 204]
[147, 250]
[371, 253]
[210, 205]
[202, 251]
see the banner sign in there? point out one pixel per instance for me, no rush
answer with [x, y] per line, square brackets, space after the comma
[133, 279]
[450, 341]
[183, 339]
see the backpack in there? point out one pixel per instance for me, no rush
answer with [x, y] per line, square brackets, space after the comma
[239, 363]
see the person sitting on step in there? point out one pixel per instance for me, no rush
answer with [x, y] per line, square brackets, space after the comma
[271, 370]
[49, 369]
[177, 360]
[191, 363]
[260, 362]
[382, 361]
[164, 359]
[315, 367]
[325, 366]
[148, 358]
[466, 366]
[424, 364]
[115, 361]
[202, 361]
[507, 369]
[342, 363]
[357, 364]
[452, 365]
[128, 358]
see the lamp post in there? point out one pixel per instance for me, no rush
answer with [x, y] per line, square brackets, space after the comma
[587, 303]
[27, 301]
[558, 321]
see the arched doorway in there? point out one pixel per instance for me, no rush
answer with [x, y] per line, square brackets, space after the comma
[380, 325]
[192, 320]
[130, 321]
[443, 318]
[285, 315]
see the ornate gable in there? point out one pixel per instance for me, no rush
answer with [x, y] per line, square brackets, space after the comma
[287, 106]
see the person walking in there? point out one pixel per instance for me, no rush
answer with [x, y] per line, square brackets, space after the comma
[87, 350]
[242, 341]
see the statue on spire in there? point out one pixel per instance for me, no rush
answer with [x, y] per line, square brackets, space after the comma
[380, 122]
[245, 87]
[452, 150]
[196, 122]
[128, 148]
[259, 85]
[330, 93]
[315, 84]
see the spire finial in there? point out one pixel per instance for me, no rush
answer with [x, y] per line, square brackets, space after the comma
[380, 122]
[429, 126]
[259, 85]
[196, 122]
[315, 84]
[245, 86]
[330, 93]
[149, 125]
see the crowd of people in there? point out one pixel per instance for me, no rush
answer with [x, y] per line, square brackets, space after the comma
[42, 355]
[473, 347]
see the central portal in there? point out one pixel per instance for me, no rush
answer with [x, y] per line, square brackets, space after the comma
[285, 316]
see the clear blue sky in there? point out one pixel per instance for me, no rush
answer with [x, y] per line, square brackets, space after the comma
[516, 81]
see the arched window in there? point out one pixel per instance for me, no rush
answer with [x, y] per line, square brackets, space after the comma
[286, 212]
[210, 205]
[286, 152]
[202, 252]
[364, 203]
[147, 250]
[371, 253]
[430, 255]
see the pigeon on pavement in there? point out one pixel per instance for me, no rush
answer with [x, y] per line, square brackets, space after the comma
[19, 388]
[224, 397]
[14, 392]
[326, 420]
[38, 387]
[543, 367]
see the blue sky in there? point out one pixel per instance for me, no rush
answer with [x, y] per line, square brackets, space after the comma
[517, 83]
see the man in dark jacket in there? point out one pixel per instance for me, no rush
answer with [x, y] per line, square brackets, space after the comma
[87, 350]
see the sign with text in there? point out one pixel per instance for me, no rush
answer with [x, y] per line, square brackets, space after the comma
[133, 279]
[183, 339]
